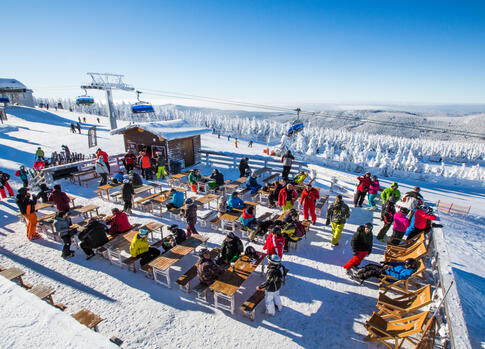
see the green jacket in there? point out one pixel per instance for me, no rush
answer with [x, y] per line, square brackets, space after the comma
[388, 192]
[193, 178]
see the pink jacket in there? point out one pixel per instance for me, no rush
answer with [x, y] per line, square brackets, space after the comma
[401, 222]
[374, 187]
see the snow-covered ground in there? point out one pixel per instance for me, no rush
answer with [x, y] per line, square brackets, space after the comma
[321, 304]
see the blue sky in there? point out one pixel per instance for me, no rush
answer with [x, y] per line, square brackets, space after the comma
[275, 52]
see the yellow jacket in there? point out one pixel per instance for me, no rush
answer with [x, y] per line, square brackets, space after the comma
[138, 245]
[300, 178]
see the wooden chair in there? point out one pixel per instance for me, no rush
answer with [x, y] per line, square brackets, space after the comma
[406, 244]
[399, 330]
[389, 283]
[249, 306]
[403, 305]
[417, 252]
[46, 292]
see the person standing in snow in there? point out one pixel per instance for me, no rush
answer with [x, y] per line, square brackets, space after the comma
[60, 199]
[78, 126]
[26, 206]
[287, 160]
[24, 175]
[61, 226]
[362, 189]
[146, 166]
[361, 246]
[99, 154]
[387, 216]
[275, 278]
[374, 189]
[287, 197]
[129, 161]
[161, 166]
[337, 214]
[308, 200]
[193, 178]
[102, 170]
[73, 128]
[243, 166]
[391, 191]
[39, 155]
[4, 177]
[189, 211]
[127, 194]
[235, 142]
[250, 144]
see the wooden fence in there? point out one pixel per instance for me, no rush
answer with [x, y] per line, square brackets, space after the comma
[452, 208]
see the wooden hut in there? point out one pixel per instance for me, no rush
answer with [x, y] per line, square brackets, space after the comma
[176, 140]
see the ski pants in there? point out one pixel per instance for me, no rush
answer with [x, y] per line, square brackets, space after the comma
[359, 198]
[148, 256]
[66, 249]
[336, 232]
[370, 270]
[31, 219]
[9, 190]
[384, 230]
[161, 172]
[309, 206]
[194, 187]
[191, 230]
[127, 206]
[356, 260]
[287, 206]
[272, 299]
[26, 182]
[371, 199]
[104, 179]
[286, 172]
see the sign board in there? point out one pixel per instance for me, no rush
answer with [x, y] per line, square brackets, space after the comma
[92, 139]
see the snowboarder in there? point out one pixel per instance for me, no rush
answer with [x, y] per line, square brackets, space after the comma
[60, 199]
[189, 211]
[275, 278]
[287, 160]
[361, 246]
[127, 194]
[374, 188]
[309, 198]
[26, 206]
[337, 214]
[207, 270]
[398, 270]
[4, 177]
[387, 216]
[362, 189]
[287, 197]
[61, 226]
[391, 191]
[243, 166]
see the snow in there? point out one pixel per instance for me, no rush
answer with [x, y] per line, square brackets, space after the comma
[170, 130]
[321, 305]
[6, 83]
[29, 322]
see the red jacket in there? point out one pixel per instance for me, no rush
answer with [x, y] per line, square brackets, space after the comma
[269, 246]
[364, 183]
[60, 199]
[282, 197]
[119, 223]
[420, 219]
[130, 159]
[103, 154]
[145, 162]
[309, 198]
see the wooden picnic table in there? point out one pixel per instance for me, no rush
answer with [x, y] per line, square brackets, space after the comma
[240, 181]
[88, 209]
[177, 177]
[47, 217]
[228, 283]
[78, 175]
[161, 265]
[43, 292]
[106, 188]
[42, 205]
[15, 273]
[231, 187]
[161, 199]
[117, 244]
[152, 226]
[88, 319]
[207, 199]
[229, 218]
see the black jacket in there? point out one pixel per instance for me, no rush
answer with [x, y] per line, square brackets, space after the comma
[24, 201]
[243, 165]
[218, 177]
[127, 192]
[4, 177]
[388, 211]
[231, 249]
[136, 179]
[274, 277]
[361, 241]
[44, 193]
[94, 235]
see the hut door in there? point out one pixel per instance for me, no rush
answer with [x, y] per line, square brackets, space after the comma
[189, 152]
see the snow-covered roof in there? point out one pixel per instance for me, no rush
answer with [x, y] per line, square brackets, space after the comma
[11, 84]
[170, 130]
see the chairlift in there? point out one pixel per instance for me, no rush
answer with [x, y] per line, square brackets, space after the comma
[140, 106]
[84, 99]
[4, 100]
[296, 125]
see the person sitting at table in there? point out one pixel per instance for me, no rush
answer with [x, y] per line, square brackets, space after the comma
[231, 249]
[135, 179]
[217, 179]
[292, 229]
[275, 278]
[275, 242]
[235, 202]
[193, 178]
[61, 226]
[44, 193]
[207, 270]
[300, 177]
[252, 184]
[274, 191]
[176, 237]
[141, 248]
[60, 199]
[287, 197]
[93, 236]
[176, 199]
[262, 229]
[118, 178]
[221, 205]
[118, 222]
[247, 218]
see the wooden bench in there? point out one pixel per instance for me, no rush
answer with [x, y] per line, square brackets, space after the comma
[201, 290]
[174, 213]
[130, 261]
[46, 292]
[88, 319]
[86, 180]
[214, 222]
[13, 274]
[249, 306]
[270, 178]
[184, 280]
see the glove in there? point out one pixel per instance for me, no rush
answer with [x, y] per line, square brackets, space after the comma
[327, 222]
[436, 225]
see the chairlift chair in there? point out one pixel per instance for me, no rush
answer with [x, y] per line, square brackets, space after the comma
[140, 106]
[296, 125]
[84, 99]
[4, 100]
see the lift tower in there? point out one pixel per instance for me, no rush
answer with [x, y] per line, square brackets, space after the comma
[108, 82]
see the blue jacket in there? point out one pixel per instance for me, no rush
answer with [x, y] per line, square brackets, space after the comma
[235, 202]
[119, 177]
[411, 226]
[177, 199]
[23, 175]
[251, 183]
[399, 271]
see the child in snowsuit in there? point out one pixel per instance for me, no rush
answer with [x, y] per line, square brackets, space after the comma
[4, 177]
[275, 242]
[337, 214]
[127, 194]
[275, 277]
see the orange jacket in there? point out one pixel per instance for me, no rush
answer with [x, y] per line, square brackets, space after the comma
[145, 162]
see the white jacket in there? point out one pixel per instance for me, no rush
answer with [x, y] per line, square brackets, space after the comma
[101, 167]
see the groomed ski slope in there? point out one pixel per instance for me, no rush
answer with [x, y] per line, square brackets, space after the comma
[322, 306]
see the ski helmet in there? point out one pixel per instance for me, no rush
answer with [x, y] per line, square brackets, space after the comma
[143, 233]
[250, 252]
[368, 225]
[274, 259]
[189, 201]
[411, 263]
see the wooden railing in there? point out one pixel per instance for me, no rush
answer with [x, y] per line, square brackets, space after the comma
[453, 208]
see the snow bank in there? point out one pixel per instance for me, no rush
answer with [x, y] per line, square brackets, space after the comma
[29, 322]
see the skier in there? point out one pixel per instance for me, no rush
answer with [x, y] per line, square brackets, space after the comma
[252, 184]
[374, 188]
[207, 270]
[309, 197]
[27, 209]
[102, 170]
[287, 160]
[287, 197]
[141, 248]
[387, 216]
[250, 144]
[235, 142]
[275, 242]
[362, 189]
[361, 246]
[4, 177]
[391, 191]
[337, 214]
[275, 277]
[118, 222]
[146, 166]
[231, 249]
[398, 270]
[189, 211]
[401, 223]
[61, 226]
[39, 155]
[60, 199]
[127, 194]
[73, 128]
[243, 166]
